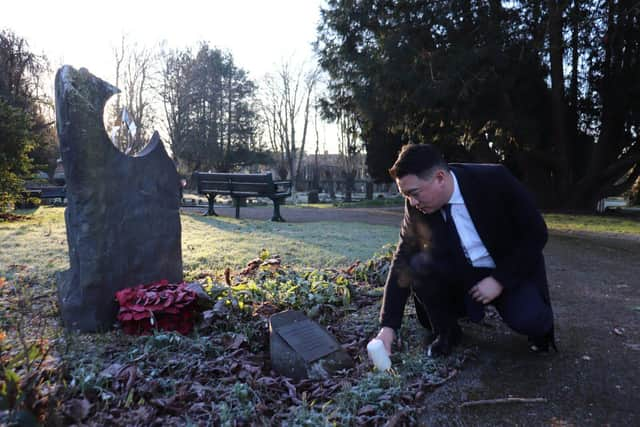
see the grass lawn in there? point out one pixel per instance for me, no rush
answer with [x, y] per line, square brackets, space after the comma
[207, 242]
[216, 242]
[592, 223]
[376, 203]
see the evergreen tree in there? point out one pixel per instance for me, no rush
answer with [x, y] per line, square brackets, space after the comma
[15, 144]
[25, 132]
[548, 88]
[210, 109]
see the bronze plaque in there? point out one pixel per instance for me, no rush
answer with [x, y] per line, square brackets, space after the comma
[308, 339]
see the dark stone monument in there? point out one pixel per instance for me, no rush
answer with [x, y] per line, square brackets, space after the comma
[369, 190]
[300, 348]
[313, 196]
[122, 215]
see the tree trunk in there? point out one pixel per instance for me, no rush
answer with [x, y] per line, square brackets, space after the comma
[558, 112]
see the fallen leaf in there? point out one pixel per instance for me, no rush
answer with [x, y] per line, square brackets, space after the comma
[130, 373]
[112, 371]
[201, 391]
[78, 409]
[199, 291]
[233, 341]
[367, 409]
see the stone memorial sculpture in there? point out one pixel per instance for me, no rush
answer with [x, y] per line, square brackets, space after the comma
[122, 215]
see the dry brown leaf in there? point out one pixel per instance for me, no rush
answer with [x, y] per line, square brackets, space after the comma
[78, 409]
[111, 371]
[367, 409]
[234, 341]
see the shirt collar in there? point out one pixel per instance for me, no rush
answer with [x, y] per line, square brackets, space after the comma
[456, 196]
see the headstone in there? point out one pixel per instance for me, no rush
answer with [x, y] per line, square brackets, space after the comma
[313, 196]
[122, 215]
[300, 348]
[369, 190]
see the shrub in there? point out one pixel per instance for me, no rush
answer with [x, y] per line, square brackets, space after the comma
[28, 203]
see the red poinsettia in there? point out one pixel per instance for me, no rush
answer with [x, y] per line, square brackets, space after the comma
[162, 305]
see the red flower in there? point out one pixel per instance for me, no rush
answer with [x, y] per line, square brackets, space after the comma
[162, 305]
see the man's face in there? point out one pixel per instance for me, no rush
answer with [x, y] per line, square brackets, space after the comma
[427, 195]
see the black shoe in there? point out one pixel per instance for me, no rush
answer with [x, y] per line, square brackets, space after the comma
[444, 343]
[542, 344]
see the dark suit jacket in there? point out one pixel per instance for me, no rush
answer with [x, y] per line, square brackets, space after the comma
[507, 221]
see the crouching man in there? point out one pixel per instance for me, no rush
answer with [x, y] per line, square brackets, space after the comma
[471, 236]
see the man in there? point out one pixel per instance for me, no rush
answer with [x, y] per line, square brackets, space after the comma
[471, 236]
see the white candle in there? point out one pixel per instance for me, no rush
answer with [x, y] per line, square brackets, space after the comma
[378, 354]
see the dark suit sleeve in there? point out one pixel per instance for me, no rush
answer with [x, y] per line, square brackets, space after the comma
[529, 233]
[397, 286]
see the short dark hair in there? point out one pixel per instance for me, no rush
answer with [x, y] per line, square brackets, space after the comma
[417, 159]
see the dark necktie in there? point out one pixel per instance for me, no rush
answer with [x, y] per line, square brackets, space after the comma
[453, 237]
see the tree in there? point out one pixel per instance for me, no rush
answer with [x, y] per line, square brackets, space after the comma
[210, 109]
[134, 75]
[634, 193]
[24, 125]
[340, 111]
[15, 145]
[349, 146]
[175, 92]
[487, 80]
[614, 57]
[285, 106]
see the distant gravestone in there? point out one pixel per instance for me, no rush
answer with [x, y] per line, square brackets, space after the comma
[313, 196]
[300, 348]
[122, 215]
[369, 190]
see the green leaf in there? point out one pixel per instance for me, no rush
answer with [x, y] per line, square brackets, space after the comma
[346, 297]
[11, 376]
[35, 352]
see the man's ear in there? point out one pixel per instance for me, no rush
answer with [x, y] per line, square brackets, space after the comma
[440, 175]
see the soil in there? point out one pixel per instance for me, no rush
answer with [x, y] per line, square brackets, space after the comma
[594, 379]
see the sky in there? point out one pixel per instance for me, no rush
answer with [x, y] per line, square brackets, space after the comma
[259, 33]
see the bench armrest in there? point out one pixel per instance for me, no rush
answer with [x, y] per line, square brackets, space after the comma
[282, 185]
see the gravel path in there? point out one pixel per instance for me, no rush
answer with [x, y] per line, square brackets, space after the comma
[380, 216]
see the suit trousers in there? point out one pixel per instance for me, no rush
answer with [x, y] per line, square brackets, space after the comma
[525, 306]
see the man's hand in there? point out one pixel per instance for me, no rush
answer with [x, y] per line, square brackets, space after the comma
[486, 290]
[386, 335]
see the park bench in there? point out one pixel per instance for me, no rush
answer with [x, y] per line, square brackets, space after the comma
[239, 187]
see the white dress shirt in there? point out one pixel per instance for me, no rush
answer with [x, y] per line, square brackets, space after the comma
[473, 247]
